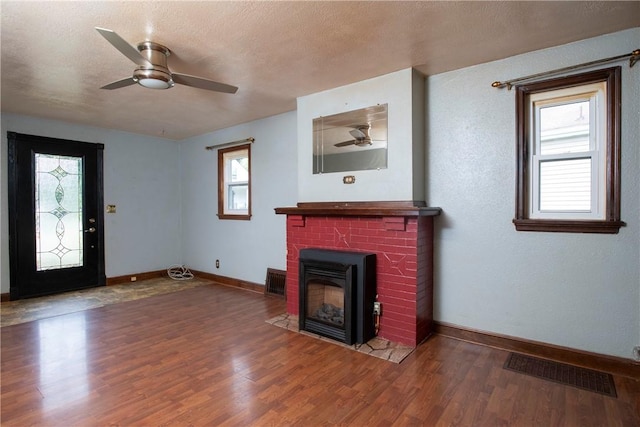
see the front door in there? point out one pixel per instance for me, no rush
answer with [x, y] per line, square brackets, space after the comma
[56, 232]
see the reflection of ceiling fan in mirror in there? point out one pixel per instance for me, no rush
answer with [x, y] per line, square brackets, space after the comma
[152, 71]
[361, 137]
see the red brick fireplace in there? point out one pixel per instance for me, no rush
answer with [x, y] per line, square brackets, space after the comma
[401, 236]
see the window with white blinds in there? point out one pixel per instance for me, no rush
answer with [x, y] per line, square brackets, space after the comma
[568, 153]
[567, 140]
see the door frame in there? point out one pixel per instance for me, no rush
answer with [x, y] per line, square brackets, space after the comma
[14, 221]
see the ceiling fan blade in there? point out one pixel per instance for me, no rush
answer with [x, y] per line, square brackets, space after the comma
[200, 83]
[120, 83]
[345, 143]
[125, 48]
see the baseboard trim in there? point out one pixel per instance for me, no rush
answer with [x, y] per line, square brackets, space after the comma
[222, 280]
[229, 281]
[611, 364]
[119, 280]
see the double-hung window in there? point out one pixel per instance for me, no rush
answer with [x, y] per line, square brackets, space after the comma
[234, 182]
[568, 161]
[567, 134]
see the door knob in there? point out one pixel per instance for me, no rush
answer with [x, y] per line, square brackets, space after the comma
[90, 230]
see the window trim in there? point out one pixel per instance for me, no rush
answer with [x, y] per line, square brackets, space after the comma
[222, 186]
[611, 222]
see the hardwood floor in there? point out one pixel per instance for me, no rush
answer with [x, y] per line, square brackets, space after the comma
[206, 357]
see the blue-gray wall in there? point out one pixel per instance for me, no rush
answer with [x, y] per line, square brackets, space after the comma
[575, 290]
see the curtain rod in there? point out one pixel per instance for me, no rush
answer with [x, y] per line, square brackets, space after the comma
[634, 57]
[250, 140]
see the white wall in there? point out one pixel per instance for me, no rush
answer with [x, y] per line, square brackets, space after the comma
[397, 181]
[141, 177]
[245, 248]
[575, 290]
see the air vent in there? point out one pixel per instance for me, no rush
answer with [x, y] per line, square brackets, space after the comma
[275, 283]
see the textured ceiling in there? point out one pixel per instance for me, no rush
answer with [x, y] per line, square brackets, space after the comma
[54, 62]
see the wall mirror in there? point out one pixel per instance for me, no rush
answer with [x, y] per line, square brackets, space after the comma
[351, 141]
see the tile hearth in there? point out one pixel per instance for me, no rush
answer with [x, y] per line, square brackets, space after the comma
[376, 347]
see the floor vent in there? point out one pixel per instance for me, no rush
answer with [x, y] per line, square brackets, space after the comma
[586, 379]
[275, 282]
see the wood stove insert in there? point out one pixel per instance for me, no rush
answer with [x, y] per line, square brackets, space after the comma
[336, 295]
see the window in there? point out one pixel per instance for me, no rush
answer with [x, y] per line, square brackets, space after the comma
[234, 182]
[568, 154]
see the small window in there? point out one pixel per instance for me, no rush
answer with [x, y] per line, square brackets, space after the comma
[568, 160]
[234, 182]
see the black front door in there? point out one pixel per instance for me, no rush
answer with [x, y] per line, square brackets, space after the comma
[56, 233]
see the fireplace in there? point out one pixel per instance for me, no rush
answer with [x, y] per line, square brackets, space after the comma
[336, 295]
[400, 234]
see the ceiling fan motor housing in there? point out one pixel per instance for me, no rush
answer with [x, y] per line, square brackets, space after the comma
[361, 134]
[158, 75]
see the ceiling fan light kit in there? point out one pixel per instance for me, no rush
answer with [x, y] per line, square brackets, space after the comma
[153, 79]
[152, 71]
[158, 76]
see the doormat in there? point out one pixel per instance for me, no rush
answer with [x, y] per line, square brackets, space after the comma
[585, 379]
[376, 347]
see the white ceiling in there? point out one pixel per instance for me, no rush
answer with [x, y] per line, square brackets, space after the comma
[54, 62]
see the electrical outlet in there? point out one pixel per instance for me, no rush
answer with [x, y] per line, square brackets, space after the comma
[377, 308]
[636, 353]
[217, 263]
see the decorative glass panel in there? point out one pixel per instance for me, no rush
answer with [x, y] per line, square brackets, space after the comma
[58, 212]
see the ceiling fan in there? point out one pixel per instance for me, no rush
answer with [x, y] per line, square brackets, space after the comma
[152, 71]
[361, 137]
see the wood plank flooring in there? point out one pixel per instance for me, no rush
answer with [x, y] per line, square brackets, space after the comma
[206, 357]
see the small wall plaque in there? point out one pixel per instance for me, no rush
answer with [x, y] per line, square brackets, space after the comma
[348, 179]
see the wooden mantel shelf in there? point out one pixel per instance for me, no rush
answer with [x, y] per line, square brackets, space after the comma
[401, 208]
